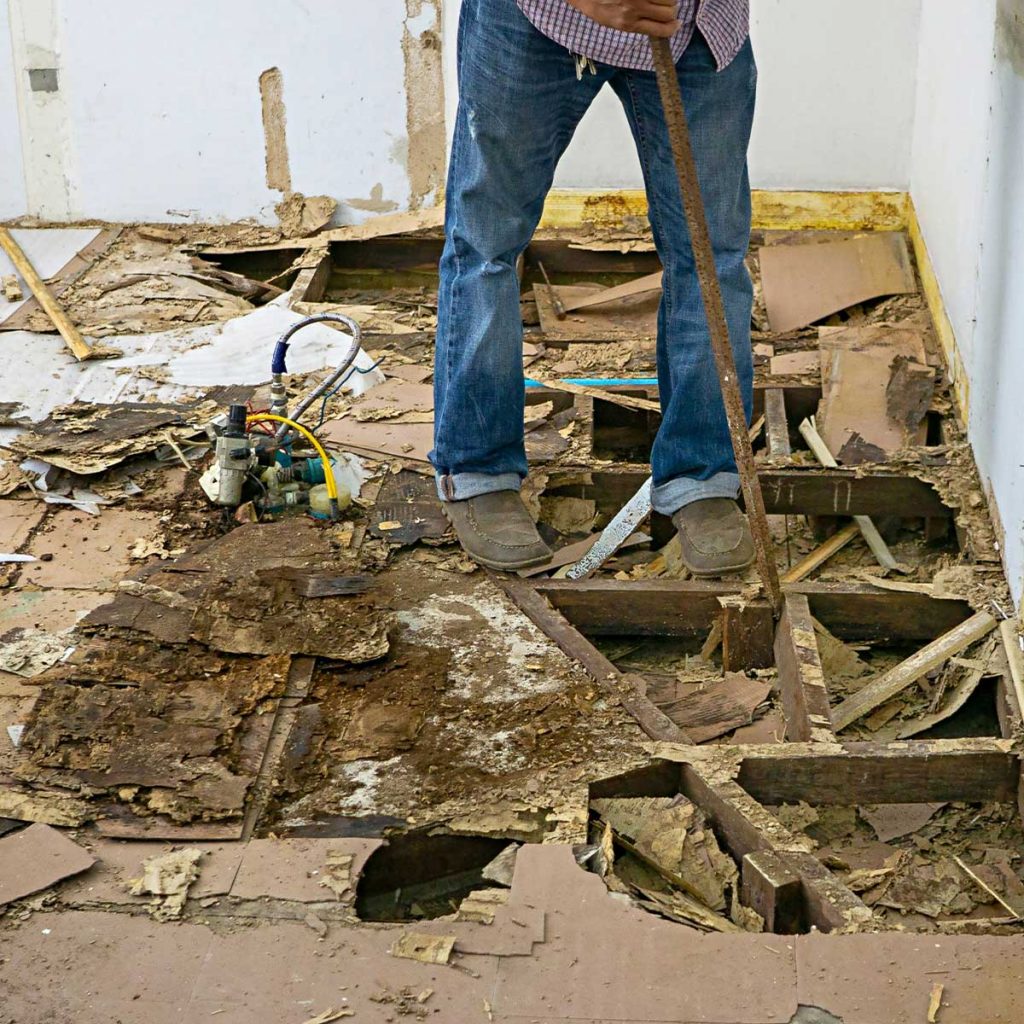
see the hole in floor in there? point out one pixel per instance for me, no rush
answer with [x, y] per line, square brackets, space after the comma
[419, 876]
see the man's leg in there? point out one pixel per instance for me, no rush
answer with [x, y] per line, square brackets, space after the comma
[695, 477]
[519, 104]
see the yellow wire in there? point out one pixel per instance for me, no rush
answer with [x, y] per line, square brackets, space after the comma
[332, 487]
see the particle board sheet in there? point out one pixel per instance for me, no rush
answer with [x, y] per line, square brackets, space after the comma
[806, 283]
[36, 858]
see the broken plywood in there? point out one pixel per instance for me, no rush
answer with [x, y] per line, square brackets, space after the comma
[85, 439]
[36, 858]
[720, 708]
[876, 389]
[805, 283]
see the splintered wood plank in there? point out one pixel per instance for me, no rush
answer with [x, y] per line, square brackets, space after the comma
[630, 690]
[801, 679]
[772, 889]
[820, 555]
[777, 423]
[68, 331]
[918, 771]
[890, 683]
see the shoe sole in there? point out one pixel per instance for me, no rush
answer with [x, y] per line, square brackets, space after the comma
[710, 574]
[532, 563]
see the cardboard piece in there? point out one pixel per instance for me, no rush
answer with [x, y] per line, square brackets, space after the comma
[36, 858]
[794, 363]
[806, 283]
[860, 418]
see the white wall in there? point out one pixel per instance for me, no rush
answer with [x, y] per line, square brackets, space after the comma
[163, 114]
[836, 92]
[158, 114]
[12, 176]
[836, 95]
[968, 188]
[950, 153]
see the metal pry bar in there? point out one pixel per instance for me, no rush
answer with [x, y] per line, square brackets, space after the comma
[714, 308]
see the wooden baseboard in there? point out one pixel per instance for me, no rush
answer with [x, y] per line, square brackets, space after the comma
[773, 210]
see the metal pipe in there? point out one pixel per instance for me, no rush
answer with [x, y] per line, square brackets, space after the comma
[278, 367]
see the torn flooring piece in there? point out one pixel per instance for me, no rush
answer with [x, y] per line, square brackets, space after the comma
[808, 282]
[36, 858]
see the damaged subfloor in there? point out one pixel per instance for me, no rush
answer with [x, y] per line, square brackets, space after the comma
[260, 766]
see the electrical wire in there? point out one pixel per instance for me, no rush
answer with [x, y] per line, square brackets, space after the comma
[340, 385]
[332, 487]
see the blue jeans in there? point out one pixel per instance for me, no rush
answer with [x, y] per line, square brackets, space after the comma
[520, 103]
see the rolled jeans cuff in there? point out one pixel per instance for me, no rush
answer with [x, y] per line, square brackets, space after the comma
[460, 486]
[670, 497]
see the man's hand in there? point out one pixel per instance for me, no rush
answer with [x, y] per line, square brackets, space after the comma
[651, 17]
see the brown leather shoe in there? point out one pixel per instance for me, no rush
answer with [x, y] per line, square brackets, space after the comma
[715, 537]
[497, 531]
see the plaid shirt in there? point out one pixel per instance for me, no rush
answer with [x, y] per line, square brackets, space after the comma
[725, 25]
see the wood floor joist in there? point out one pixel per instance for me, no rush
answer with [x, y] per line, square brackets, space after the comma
[629, 690]
[601, 607]
[736, 785]
[812, 492]
[801, 678]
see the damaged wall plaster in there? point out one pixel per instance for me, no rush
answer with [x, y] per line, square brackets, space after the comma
[46, 137]
[279, 173]
[376, 203]
[424, 97]
[1010, 34]
[13, 200]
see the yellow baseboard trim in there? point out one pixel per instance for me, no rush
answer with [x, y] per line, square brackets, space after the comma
[779, 211]
[940, 318]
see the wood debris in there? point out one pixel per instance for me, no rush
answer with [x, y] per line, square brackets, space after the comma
[330, 1015]
[670, 859]
[168, 877]
[427, 949]
[87, 439]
